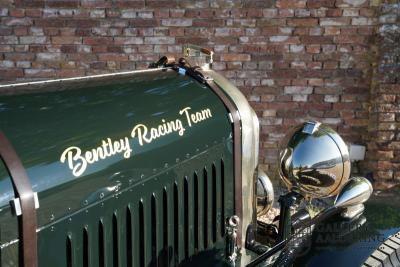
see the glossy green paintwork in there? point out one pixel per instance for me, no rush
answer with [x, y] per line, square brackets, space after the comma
[41, 125]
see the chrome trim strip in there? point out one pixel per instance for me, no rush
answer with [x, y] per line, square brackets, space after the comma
[250, 147]
[82, 78]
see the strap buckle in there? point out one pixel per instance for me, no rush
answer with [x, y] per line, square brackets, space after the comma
[16, 204]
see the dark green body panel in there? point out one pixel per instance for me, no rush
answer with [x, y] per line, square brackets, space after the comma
[123, 211]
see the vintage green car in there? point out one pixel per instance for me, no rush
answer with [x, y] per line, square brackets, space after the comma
[159, 167]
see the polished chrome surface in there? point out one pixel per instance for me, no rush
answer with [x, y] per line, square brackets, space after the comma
[250, 142]
[37, 85]
[310, 127]
[231, 228]
[356, 191]
[314, 160]
[264, 193]
[198, 56]
[353, 211]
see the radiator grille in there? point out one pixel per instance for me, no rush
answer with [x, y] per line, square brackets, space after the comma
[160, 228]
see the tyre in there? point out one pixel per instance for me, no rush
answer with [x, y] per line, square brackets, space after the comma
[387, 254]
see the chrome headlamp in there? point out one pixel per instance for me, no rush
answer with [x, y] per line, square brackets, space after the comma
[264, 193]
[314, 160]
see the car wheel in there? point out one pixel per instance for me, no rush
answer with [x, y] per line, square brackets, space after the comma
[387, 254]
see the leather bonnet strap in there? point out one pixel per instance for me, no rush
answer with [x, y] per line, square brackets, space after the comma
[23, 190]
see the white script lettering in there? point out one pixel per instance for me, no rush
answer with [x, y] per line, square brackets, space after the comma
[78, 161]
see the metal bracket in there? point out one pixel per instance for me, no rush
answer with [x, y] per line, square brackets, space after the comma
[310, 127]
[353, 212]
[16, 204]
[198, 56]
[230, 116]
[207, 79]
[231, 228]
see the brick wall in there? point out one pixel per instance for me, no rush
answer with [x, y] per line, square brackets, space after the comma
[294, 60]
[384, 136]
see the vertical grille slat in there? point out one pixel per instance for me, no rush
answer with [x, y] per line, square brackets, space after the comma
[164, 255]
[122, 236]
[196, 211]
[153, 231]
[176, 223]
[186, 216]
[147, 229]
[115, 237]
[159, 212]
[129, 247]
[101, 244]
[77, 244]
[171, 226]
[214, 203]
[108, 240]
[200, 209]
[145, 233]
[136, 232]
[69, 251]
[85, 247]
[209, 207]
[190, 215]
[93, 243]
[141, 235]
[218, 188]
[205, 208]
[223, 213]
[181, 220]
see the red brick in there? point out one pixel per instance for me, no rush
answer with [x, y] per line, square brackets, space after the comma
[330, 65]
[82, 23]
[11, 21]
[161, 3]
[97, 40]
[19, 13]
[291, 3]
[333, 12]
[30, 4]
[316, 82]
[11, 73]
[334, 21]
[66, 40]
[113, 57]
[68, 49]
[208, 23]
[332, 30]
[6, 31]
[302, 22]
[19, 31]
[50, 22]
[63, 4]
[384, 154]
[33, 12]
[144, 22]
[316, 39]
[314, 49]
[367, 12]
[124, 4]
[349, 39]
[320, 3]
